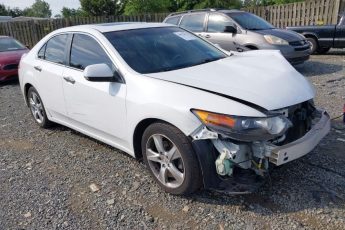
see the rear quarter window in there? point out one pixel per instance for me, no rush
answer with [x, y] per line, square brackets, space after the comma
[55, 49]
[173, 20]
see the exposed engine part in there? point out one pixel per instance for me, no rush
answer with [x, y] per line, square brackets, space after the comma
[223, 165]
[253, 156]
[204, 133]
[301, 116]
[238, 154]
[261, 167]
[262, 149]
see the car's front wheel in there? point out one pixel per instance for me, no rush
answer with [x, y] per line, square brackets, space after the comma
[169, 155]
[37, 108]
[313, 45]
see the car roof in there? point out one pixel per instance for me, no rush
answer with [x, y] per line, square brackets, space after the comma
[206, 10]
[115, 26]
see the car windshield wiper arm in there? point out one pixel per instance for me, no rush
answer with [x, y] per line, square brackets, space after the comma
[207, 60]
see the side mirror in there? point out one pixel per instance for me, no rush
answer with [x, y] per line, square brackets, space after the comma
[100, 73]
[230, 29]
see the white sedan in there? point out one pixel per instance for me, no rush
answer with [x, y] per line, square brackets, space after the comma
[200, 117]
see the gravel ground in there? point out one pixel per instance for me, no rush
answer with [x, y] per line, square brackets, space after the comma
[45, 177]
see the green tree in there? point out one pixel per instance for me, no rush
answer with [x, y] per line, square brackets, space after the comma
[69, 12]
[101, 7]
[7, 11]
[16, 12]
[39, 9]
[224, 4]
[146, 6]
[268, 2]
[182, 5]
[3, 10]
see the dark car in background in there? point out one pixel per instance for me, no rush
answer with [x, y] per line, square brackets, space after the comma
[323, 38]
[11, 52]
[234, 29]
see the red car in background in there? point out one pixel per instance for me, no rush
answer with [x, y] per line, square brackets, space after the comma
[11, 52]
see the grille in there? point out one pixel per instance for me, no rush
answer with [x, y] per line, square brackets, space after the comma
[302, 48]
[298, 43]
[10, 67]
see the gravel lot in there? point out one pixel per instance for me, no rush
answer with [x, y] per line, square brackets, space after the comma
[45, 177]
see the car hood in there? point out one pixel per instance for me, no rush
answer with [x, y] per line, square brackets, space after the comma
[263, 78]
[287, 35]
[12, 56]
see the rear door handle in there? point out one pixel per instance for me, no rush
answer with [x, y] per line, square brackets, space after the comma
[207, 36]
[38, 68]
[69, 79]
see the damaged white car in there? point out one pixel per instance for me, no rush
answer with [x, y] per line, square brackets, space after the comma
[198, 116]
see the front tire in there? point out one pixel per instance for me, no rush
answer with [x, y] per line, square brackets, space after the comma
[37, 108]
[169, 156]
[314, 46]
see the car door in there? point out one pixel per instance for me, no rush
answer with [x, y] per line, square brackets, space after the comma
[339, 40]
[49, 66]
[95, 107]
[215, 26]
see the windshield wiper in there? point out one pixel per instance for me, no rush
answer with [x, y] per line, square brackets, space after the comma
[255, 29]
[207, 60]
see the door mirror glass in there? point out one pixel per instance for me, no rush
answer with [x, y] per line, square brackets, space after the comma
[230, 29]
[100, 73]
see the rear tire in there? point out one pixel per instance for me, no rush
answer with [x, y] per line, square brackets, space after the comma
[314, 46]
[37, 108]
[170, 158]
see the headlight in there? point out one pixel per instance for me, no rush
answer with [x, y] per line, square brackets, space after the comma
[245, 128]
[275, 40]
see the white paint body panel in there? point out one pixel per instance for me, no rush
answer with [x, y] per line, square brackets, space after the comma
[110, 112]
[253, 76]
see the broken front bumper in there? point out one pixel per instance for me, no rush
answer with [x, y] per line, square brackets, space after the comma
[245, 180]
[291, 151]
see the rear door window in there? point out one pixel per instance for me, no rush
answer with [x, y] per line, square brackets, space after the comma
[55, 49]
[193, 22]
[217, 23]
[173, 20]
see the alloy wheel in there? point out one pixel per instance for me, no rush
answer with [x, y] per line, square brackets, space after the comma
[36, 107]
[165, 161]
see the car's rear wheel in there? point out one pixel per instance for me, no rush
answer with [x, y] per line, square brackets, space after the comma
[169, 156]
[313, 45]
[37, 108]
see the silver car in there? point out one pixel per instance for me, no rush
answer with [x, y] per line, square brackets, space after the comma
[239, 30]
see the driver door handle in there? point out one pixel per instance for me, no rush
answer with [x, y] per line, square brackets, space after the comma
[207, 36]
[69, 79]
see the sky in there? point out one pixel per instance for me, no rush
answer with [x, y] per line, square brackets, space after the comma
[55, 5]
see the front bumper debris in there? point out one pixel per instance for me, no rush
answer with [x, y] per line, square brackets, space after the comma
[243, 181]
[249, 164]
[291, 151]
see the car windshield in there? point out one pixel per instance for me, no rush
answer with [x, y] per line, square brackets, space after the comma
[250, 21]
[153, 50]
[9, 44]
